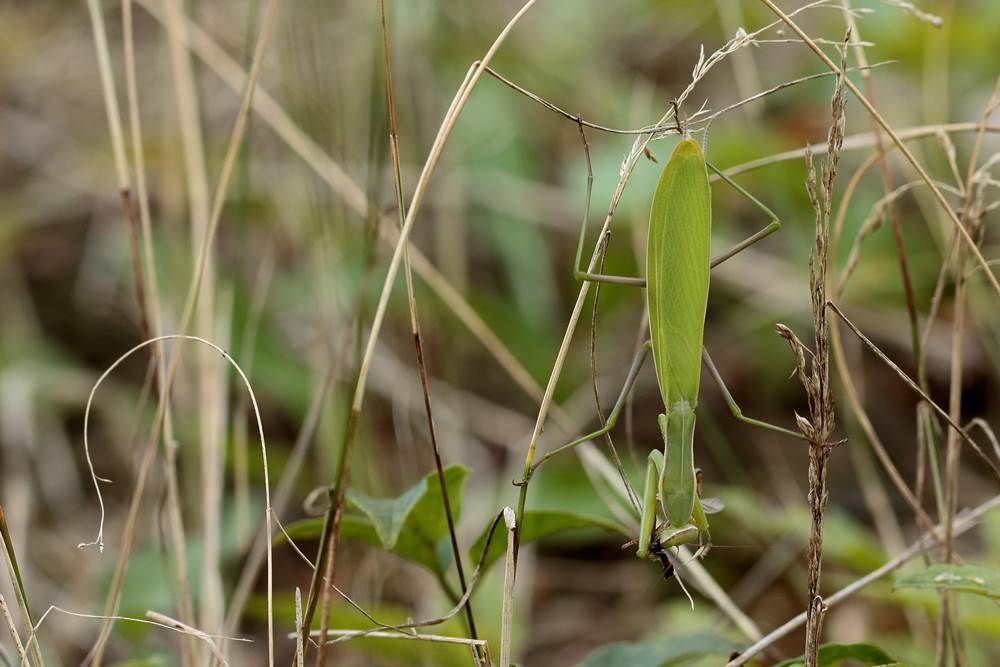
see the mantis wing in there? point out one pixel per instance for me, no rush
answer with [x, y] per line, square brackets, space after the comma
[677, 267]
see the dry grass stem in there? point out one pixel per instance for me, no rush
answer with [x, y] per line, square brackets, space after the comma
[818, 428]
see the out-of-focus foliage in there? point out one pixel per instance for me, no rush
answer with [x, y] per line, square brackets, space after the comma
[295, 273]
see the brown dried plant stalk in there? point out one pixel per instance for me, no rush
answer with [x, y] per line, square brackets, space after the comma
[815, 376]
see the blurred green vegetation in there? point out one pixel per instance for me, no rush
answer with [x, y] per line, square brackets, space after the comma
[500, 225]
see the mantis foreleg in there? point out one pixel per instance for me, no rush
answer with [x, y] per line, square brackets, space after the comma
[654, 468]
[630, 378]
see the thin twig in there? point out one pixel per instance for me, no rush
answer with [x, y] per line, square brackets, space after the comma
[858, 142]
[915, 387]
[664, 129]
[964, 522]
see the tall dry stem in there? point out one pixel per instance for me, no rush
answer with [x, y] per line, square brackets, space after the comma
[815, 376]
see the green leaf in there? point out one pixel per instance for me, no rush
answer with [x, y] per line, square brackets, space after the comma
[302, 530]
[963, 578]
[831, 655]
[534, 526]
[388, 515]
[660, 652]
[424, 538]
[413, 525]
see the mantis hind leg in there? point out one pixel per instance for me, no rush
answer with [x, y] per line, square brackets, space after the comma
[734, 406]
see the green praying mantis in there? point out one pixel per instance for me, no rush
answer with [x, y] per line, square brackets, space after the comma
[677, 282]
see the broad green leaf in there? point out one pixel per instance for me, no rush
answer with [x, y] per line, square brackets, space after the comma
[535, 526]
[424, 538]
[413, 525]
[152, 661]
[302, 530]
[660, 652]
[964, 578]
[831, 655]
[388, 514]
[677, 266]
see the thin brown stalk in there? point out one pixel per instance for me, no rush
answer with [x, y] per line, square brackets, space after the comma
[133, 241]
[415, 319]
[118, 151]
[915, 388]
[344, 461]
[819, 427]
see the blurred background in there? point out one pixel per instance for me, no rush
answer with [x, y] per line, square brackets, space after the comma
[304, 239]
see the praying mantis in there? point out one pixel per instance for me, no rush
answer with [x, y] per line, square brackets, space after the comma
[677, 282]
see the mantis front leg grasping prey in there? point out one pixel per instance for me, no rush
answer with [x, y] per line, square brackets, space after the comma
[677, 281]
